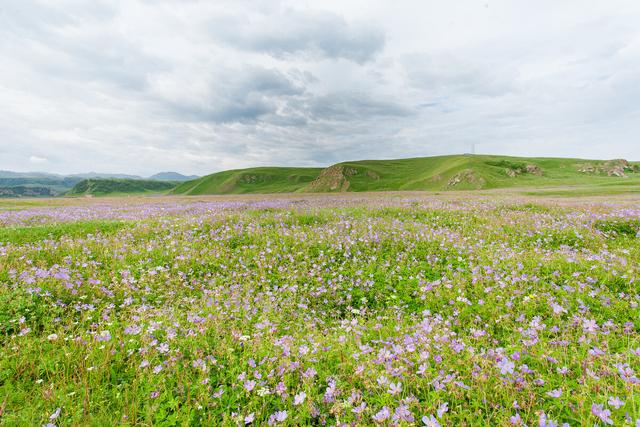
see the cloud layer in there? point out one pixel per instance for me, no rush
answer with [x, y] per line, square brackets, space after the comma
[140, 86]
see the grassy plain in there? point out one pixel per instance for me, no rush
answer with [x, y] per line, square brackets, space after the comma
[461, 308]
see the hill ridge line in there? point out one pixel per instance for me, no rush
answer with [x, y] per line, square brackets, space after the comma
[436, 173]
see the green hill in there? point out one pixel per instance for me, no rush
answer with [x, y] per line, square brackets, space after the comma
[457, 172]
[114, 186]
[253, 180]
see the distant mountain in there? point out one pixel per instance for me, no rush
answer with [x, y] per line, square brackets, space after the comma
[10, 174]
[27, 191]
[43, 184]
[96, 175]
[172, 176]
[442, 173]
[34, 184]
[162, 176]
[62, 182]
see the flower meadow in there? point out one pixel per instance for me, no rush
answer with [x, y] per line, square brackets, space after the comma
[404, 310]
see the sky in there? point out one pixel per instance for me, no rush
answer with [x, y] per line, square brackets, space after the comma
[142, 86]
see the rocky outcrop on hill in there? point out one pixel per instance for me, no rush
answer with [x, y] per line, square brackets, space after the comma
[617, 167]
[467, 178]
[251, 178]
[514, 171]
[334, 178]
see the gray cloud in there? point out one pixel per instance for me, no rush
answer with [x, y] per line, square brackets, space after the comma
[292, 33]
[37, 19]
[243, 95]
[58, 40]
[349, 106]
[203, 86]
[446, 74]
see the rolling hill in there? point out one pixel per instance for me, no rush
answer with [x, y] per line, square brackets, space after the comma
[253, 180]
[113, 186]
[456, 172]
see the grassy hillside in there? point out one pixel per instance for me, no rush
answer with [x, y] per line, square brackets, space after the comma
[101, 187]
[34, 186]
[458, 172]
[470, 172]
[253, 180]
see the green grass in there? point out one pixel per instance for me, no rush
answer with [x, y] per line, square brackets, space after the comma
[612, 187]
[22, 235]
[19, 204]
[619, 227]
[430, 295]
[424, 173]
[113, 186]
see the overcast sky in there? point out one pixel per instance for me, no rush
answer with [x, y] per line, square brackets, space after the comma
[141, 86]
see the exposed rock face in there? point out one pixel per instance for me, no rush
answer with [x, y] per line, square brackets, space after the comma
[333, 178]
[617, 167]
[248, 179]
[526, 169]
[468, 177]
[533, 169]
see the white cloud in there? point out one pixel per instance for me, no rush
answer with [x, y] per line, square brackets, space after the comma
[36, 160]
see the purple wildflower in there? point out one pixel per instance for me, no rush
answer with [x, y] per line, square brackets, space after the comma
[603, 414]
